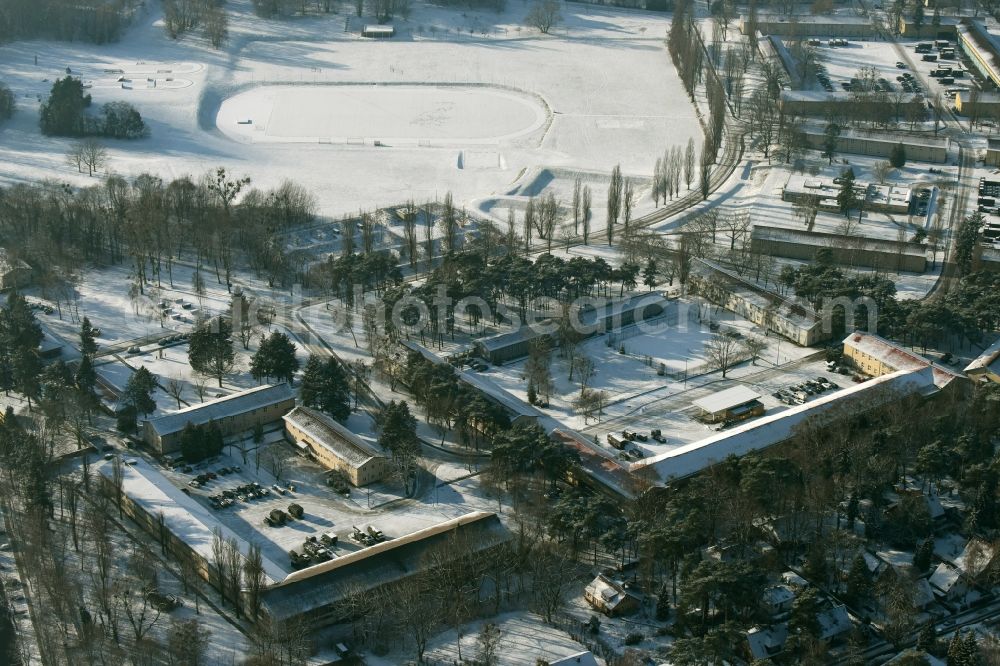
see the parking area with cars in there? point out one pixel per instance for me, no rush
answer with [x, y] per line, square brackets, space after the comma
[838, 62]
[664, 425]
[298, 517]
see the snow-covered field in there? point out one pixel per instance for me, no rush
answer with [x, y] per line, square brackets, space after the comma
[389, 114]
[483, 101]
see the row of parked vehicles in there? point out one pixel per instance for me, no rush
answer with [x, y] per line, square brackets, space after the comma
[799, 393]
[368, 536]
[622, 441]
[163, 342]
[314, 550]
[205, 477]
[244, 493]
[909, 83]
[277, 517]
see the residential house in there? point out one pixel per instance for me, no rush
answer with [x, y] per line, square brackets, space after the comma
[766, 642]
[778, 599]
[610, 597]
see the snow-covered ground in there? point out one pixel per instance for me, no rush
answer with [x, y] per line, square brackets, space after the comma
[524, 640]
[598, 91]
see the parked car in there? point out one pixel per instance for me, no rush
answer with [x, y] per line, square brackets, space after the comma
[163, 602]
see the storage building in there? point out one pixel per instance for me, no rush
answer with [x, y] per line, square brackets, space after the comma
[855, 251]
[336, 447]
[233, 414]
[733, 404]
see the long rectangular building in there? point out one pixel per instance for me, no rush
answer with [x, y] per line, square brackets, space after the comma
[981, 47]
[611, 316]
[233, 414]
[336, 447]
[846, 250]
[319, 595]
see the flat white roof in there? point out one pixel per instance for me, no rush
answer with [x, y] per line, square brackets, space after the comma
[723, 400]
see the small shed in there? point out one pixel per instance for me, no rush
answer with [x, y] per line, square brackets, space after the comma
[378, 31]
[734, 404]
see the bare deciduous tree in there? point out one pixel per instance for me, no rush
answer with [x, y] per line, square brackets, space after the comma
[543, 15]
[724, 351]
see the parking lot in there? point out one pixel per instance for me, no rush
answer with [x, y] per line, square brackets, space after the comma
[678, 420]
[838, 66]
[300, 512]
[939, 64]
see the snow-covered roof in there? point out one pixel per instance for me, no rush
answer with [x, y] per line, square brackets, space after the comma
[183, 516]
[728, 399]
[988, 361]
[765, 642]
[767, 430]
[975, 557]
[823, 239]
[793, 579]
[236, 403]
[777, 595]
[382, 564]
[332, 436]
[814, 96]
[585, 658]
[945, 577]
[506, 399]
[897, 357]
[525, 333]
[590, 321]
[833, 622]
[609, 592]
[923, 595]
[975, 35]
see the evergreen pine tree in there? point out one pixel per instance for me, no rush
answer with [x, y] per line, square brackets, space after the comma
[927, 639]
[86, 377]
[956, 652]
[923, 555]
[139, 391]
[663, 603]
[897, 157]
[88, 339]
[858, 583]
[970, 650]
[325, 387]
